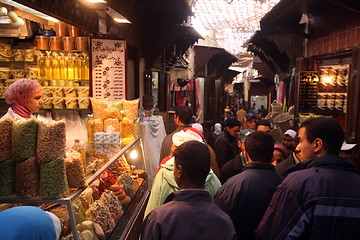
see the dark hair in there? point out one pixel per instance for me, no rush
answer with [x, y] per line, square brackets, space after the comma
[232, 122]
[262, 122]
[207, 125]
[185, 114]
[260, 146]
[194, 158]
[328, 130]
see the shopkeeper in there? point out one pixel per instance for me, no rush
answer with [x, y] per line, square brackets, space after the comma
[25, 98]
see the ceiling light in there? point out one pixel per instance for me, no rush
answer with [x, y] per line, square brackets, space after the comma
[29, 10]
[96, 1]
[116, 16]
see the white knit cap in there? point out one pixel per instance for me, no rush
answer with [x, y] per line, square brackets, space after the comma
[186, 135]
[291, 133]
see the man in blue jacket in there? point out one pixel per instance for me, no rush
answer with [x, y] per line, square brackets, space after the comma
[245, 196]
[320, 198]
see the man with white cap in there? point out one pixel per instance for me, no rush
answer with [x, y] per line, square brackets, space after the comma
[288, 140]
[164, 182]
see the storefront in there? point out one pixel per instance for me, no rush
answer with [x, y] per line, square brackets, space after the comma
[321, 39]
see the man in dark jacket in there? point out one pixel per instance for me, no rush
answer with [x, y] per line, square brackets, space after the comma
[190, 214]
[245, 196]
[182, 119]
[226, 147]
[320, 198]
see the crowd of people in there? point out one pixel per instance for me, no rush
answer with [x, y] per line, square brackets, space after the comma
[229, 180]
[233, 181]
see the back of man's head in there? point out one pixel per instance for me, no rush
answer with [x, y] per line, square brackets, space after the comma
[207, 125]
[232, 122]
[328, 130]
[263, 122]
[184, 113]
[260, 146]
[194, 158]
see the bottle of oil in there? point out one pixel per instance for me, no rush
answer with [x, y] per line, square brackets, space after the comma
[41, 64]
[48, 66]
[85, 67]
[56, 66]
[63, 67]
[77, 67]
[70, 69]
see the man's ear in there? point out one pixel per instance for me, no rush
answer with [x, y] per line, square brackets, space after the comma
[318, 144]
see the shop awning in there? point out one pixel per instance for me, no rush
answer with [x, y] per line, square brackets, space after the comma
[212, 61]
[268, 52]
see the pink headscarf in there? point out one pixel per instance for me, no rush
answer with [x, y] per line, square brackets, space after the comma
[19, 94]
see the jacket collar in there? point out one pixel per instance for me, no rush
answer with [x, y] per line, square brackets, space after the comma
[257, 165]
[228, 135]
[329, 161]
[192, 195]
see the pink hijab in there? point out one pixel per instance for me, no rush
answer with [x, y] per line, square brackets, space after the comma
[19, 94]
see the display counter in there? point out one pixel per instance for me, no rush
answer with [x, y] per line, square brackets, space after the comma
[107, 166]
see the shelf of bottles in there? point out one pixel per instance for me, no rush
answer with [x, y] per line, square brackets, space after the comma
[332, 90]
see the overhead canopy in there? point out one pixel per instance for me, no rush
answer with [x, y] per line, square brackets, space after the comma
[268, 52]
[212, 61]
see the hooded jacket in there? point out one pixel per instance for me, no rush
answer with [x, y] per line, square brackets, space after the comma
[164, 184]
[319, 199]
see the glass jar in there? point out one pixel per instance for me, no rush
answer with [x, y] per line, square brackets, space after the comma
[56, 43]
[18, 73]
[29, 55]
[18, 55]
[69, 43]
[84, 103]
[58, 103]
[42, 42]
[73, 31]
[82, 43]
[71, 103]
[4, 72]
[61, 29]
[33, 72]
[47, 103]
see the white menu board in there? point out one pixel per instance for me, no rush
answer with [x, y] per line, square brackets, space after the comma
[108, 66]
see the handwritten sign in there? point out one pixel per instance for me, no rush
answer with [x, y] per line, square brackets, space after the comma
[108, 68]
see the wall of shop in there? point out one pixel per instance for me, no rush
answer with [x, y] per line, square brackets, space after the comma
[333, 29]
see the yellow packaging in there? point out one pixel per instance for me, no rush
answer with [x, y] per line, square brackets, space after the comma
[58, 92]
[98, 125]
[111, 112]
[71, 103]
[84, 103]
[114, 122]
[131, 109]
[70, 91]
[98, 105]
[47, 103]
[83, 91]
[58, 102]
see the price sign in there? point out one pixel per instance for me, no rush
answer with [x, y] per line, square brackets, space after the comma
[108, 62]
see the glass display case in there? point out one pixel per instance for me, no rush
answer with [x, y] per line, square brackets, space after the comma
[116, 182]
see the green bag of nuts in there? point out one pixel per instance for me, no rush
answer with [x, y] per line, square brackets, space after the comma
[24, 138]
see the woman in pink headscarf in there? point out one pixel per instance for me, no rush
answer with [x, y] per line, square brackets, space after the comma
[25, 98]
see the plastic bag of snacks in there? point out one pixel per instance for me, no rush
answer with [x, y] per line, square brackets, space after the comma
[111, 112]
[53, 181]
[128, 130]
[74, 170]
[131, 109]
[98, 106]
[98, 125]
[27, 178]
[24, 138]
[51, 142]
[117, 104]
[7, 177]
[114, 122]
[5, 139]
